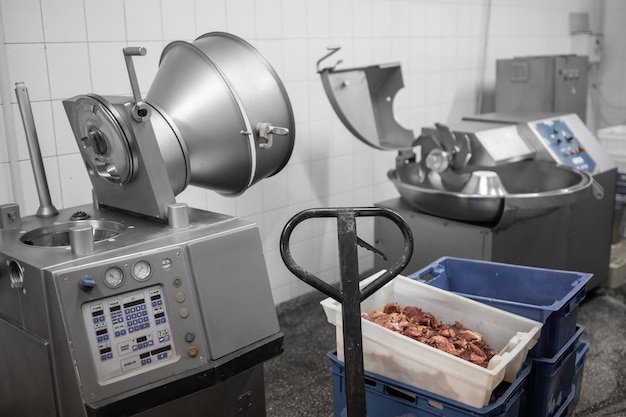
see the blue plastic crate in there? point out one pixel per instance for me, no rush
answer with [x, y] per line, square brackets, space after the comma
[567, 408]
[544, 295]
[388, 398]
[581, 357]
[549, 384]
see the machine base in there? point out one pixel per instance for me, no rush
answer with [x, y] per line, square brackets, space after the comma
[556, 240]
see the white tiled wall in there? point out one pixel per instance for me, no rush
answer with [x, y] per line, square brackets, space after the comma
[61, 48]
[609, 92]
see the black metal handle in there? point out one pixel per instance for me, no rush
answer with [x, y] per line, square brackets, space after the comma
[350, 295]
[346, 222]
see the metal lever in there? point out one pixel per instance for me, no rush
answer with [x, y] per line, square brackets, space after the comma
[350, 296]
[333, 50]
[46, 208]
[267, 132]
[140, 111]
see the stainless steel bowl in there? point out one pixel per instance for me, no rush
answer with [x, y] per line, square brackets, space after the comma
[532, 188]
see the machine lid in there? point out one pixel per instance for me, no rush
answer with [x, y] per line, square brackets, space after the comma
[103, 142]
[362, 97]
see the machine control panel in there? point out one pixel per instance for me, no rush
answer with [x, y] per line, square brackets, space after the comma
[564, 145]
[128, 331]
[131, 329]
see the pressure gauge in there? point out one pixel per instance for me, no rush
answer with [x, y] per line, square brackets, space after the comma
[113, 277]
[142, 270]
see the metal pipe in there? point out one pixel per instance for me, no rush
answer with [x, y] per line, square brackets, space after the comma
[46, 208]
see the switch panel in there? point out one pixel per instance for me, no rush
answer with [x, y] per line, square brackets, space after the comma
[564, 145]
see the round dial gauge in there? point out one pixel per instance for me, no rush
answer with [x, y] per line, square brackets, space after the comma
[113, 277]
[142, 270]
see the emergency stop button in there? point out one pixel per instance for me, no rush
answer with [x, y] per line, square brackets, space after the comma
[192, 352]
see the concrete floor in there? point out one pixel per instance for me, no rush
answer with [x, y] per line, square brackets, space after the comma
[299, 382]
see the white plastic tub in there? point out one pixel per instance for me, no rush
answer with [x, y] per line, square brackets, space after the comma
[403, 359]
[613, 140]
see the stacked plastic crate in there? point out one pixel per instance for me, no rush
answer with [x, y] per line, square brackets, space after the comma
[551, 297]
[407, 378]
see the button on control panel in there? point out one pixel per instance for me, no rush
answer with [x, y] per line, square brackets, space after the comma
[565, 145]
[128, 331]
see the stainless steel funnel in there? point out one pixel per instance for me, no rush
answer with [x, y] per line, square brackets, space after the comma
[230, 108]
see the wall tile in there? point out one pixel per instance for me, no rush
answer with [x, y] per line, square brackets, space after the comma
[298, 95]
[75, 182]
[295, 59]
[241, 18]
[269, 18]
[418, 19]
[363, 19]
[4, 152]
[106, 21]
[302, 149]
[273, 223]
[31, 198]
[23, 22]
[275, 192]
[342, 141]
[341, 18]
[64, 137]
[68, 69]
[318, 18]
[221, 204]
[27, 64]
[64, 20]
[435, 19]
[363, 163]
[343, 173]
[143, 20]
[108, 68]
[210, 16]
[250, 202]
[194, 197]
[401, 12]
[179, 21]
[42, 116]
[321, 179]
[320, 107]
[299, 182]
[383, 19]
[294, 18]
[6, 196]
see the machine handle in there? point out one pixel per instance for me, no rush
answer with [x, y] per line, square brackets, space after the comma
[350, 295]
[346, 223]
[267, 131]
[140, 111]
[333, 50]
